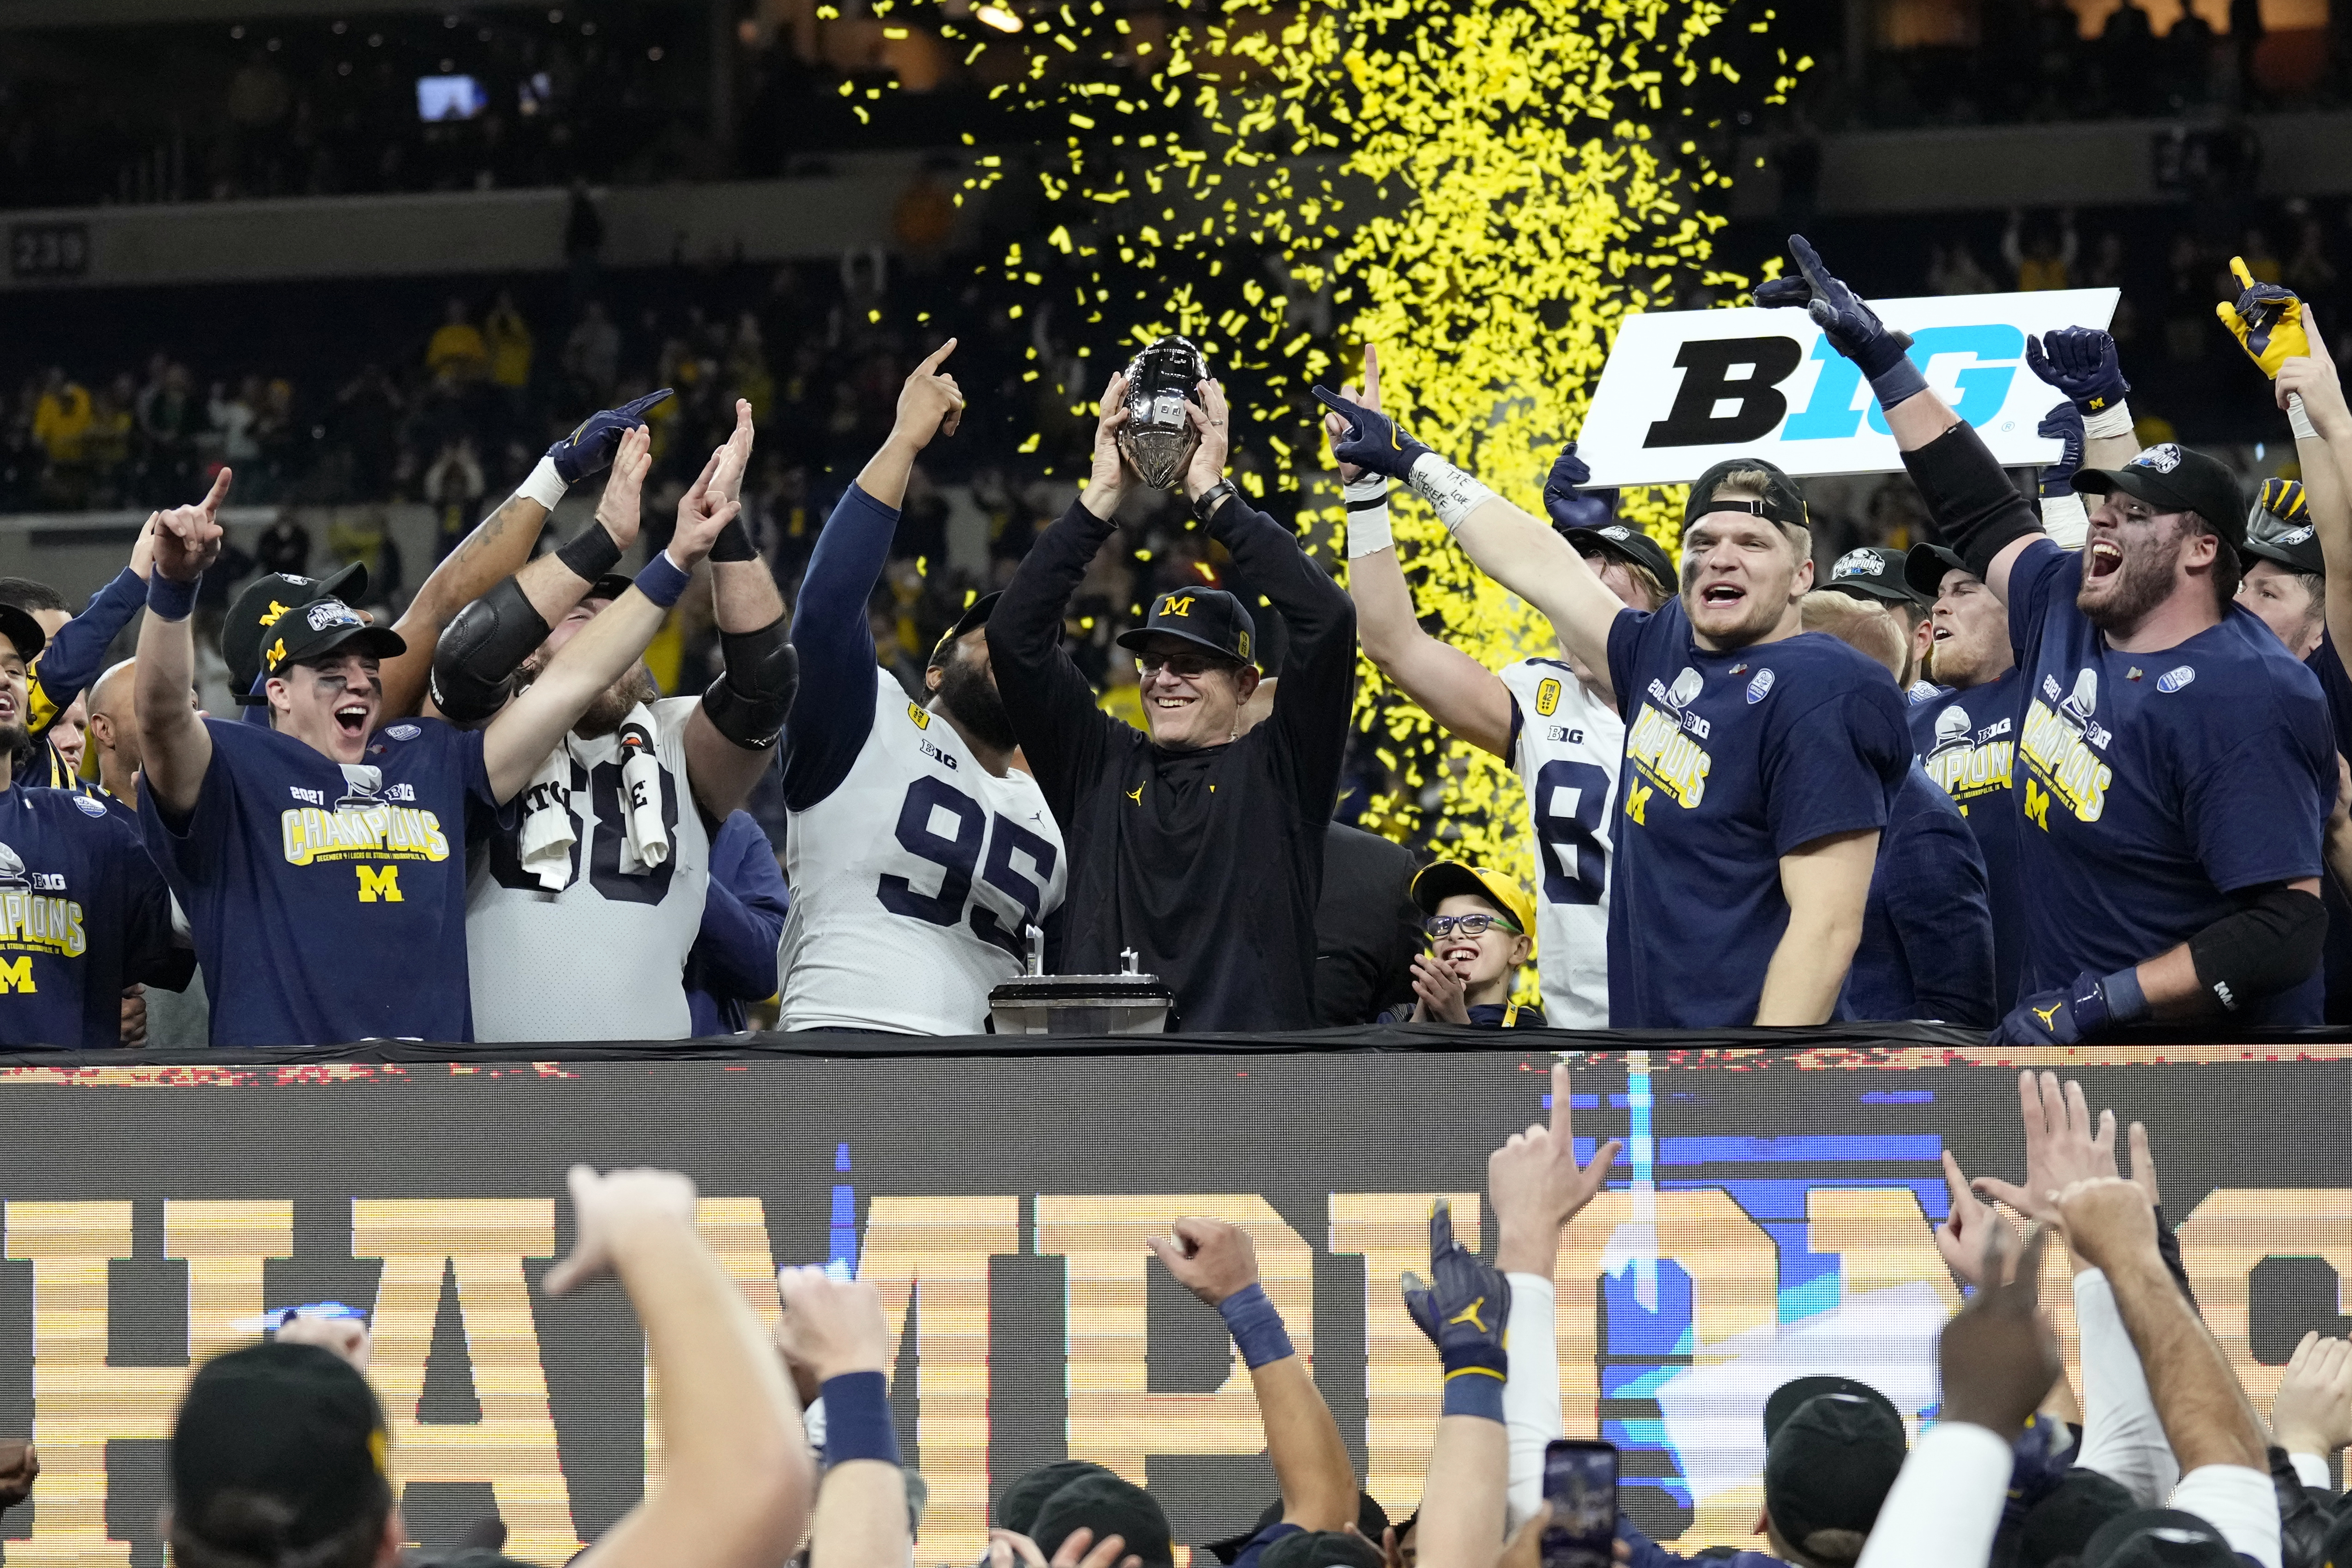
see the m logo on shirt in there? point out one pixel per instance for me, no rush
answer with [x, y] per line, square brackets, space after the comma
[380, 883]
[16, 975]
[1672, 760]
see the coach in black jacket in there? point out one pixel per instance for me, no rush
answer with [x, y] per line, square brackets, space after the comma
[1199, 847]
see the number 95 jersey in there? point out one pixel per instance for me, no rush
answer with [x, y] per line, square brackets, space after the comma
[1567, 746]
[911, 882]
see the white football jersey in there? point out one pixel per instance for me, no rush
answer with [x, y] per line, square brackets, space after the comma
[604, 958]
[911, 883]
[1567, 754]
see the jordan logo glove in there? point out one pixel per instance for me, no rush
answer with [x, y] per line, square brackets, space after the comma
[1464, 1312]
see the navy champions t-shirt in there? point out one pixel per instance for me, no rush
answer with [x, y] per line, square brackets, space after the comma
[329, 899]
[2326, 662]
[2152, 785]
[1732, 761]
[83, 913]
[1967, 740]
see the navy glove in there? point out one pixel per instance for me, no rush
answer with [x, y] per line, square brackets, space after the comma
[589, 449]
[2080, 362]
[1373, 442]
[1466, 1310]
[2064, 423]
[1852, 327]
[2058, 1017]
[1567, 506]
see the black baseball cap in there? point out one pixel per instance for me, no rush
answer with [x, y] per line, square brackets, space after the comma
[2173, 478]
[1322, 1548]
[257, 607]
[322, 627]
[974, 617]
[1621, 538]
[1108, 1505]
[20, 628]
[2158, 1537]
[1830, 1456]
[1209, 617]
[2062, 1524]
[1371, 1522]
[1924, 566]
[1873, 572]
[2278, 528]
[1017, 1504]
[295, 1424]
[1784, 504]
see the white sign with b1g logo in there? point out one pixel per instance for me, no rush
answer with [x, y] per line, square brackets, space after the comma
[1684, 390]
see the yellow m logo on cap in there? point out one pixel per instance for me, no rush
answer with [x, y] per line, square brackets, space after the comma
[277, 653]
[1176, 604]
[276, 610]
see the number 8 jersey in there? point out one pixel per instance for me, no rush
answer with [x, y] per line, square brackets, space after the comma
[912, 881]
[1567, 744]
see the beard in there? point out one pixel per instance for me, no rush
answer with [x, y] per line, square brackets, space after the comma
[15, 740]
[604, 714]
[2134, 588]
[969, 696]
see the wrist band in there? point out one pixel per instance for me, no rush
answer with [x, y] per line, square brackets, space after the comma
[2126, 1003]
[662, 580]
[734, 542]
[2298, 419]
[857, 1424]
[1454, 494]
[1205, 504]
[2065, 520]
[1897, 383]
[1474, 1391]
[172, 600]
[2112, 420]
[545, 486]
[589, 553]
[1256, 1326]
[1367, 500]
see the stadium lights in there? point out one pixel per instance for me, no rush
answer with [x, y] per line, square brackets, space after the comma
[998, 17]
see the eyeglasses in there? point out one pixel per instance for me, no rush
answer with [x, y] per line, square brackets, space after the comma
[1442, 926]
[1183, 666]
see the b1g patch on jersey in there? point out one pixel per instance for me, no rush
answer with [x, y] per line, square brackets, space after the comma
[404, 732]
[1547, 697]
[89, 807]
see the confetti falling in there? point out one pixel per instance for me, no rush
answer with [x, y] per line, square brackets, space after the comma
[1483, 189]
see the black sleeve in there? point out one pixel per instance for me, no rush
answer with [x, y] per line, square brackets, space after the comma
[1319, 669]
[2273, 943]
[1970, 497]
[1050, 703]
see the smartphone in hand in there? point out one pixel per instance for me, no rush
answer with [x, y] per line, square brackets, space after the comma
[1580, 1482]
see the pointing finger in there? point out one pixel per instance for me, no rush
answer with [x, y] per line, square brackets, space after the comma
[937, 357]
[1561, 1105]
[218, 493]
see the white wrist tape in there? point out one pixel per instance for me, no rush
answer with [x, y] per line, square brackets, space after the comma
[545, 486]
[1368, 515]
[2065, 520]
[2298, 420]
[2115, 421]
[1454, 494]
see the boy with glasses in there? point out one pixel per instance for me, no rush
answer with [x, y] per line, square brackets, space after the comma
[1477, 923]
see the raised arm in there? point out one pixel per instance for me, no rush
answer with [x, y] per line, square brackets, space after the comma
[500, 545]
[833, 1332]
[174, 747]
[1463, 695]
[736, 1489]
[1216, 1262]
[71, 661]
[2312, 392]
[518, 740]
[1518, 551]
[1827, 885]
[730, 737]
[1971, 499]
[1463, 1307]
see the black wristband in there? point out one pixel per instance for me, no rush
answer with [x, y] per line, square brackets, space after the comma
[734, 542]
[1205, 506]
[589, 553]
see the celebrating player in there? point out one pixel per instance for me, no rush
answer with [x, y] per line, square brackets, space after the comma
[72, 657]
[1198, 845]
[1760, 760]
[581, 914]
[1554, 721]
[2155, 712]
[320, 859]
[918, 855]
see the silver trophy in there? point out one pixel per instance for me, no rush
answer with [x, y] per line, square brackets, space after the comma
[1158, 438]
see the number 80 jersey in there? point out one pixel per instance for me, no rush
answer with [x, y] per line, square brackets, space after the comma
[1567, 746]
[913, 881]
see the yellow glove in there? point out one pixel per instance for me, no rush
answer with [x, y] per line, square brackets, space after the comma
[2267, 321]
[2284, 500]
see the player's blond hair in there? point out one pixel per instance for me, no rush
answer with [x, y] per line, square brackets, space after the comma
[1755, 484]
[1860, 623]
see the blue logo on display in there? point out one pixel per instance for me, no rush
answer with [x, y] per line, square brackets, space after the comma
[1759, 688]
[1831, 415]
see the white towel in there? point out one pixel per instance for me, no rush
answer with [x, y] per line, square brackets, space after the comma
[647, 844]
[547, 832]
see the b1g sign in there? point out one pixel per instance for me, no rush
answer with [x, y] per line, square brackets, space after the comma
[1771, 1216]
[1685, 389]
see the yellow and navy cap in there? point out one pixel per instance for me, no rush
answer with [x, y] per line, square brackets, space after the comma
[1442, 879]
[1209, 616]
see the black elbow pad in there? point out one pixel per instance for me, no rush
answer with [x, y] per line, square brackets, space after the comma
[485, 643]
[1969, 496]
[749, 702]
[2272, 944]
